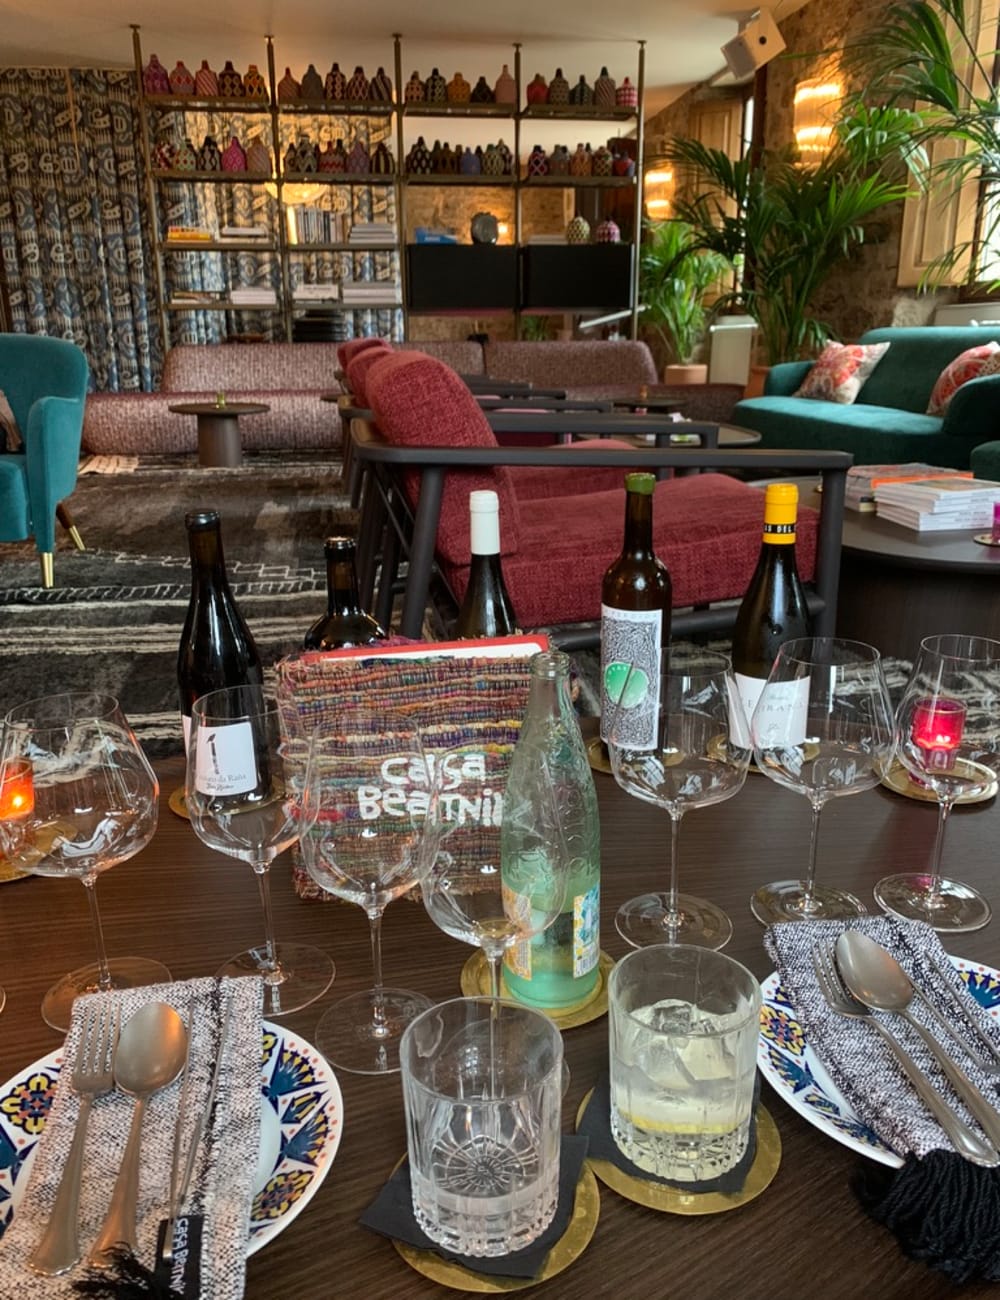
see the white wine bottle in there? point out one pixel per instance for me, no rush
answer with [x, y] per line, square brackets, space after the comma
[773, 610]
[345, 623]
[636, 598]
[486, 610]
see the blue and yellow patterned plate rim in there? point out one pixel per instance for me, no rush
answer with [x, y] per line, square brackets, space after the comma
[302, 1118]
[798, 1077]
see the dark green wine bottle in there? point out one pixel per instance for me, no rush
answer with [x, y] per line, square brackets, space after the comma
[345, 623]
[486, 609]
[217, 648]
[773, 610]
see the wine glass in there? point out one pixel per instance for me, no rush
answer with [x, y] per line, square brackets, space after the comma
[948, 740]
[699, 756]
[365, 798]
[78, 797]
[823, 728]
[245, 801]
[468, 889]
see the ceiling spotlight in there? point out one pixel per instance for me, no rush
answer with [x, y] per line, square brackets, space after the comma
[757, 44]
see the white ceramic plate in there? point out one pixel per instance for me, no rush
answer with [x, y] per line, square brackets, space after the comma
[302, 1116]
[798, 1077]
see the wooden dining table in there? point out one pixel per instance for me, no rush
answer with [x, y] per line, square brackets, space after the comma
[805, 1235]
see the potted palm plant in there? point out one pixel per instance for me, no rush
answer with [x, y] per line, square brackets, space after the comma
[676, 278]
[784, 226]
[933, 55]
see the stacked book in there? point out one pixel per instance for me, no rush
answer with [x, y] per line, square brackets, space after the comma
[314, 226]
[315, 292]
[253, 297]
[188, 234]
[862, 480]
[362, 293]
[244, 232]
[365, 234]
[936, 505]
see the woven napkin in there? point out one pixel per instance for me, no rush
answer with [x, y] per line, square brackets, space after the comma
[855, 1055]
[222, 1185]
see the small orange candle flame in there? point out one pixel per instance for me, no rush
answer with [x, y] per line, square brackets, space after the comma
[17, 791]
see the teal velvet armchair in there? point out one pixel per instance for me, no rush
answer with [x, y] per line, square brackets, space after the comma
[45, 382]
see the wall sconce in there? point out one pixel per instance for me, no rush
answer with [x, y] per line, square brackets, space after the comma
[814, 109]
[658, 193]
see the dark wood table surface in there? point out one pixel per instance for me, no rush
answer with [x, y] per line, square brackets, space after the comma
[806, 1235]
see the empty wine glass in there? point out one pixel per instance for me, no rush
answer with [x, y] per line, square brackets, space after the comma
[948, 740]
[823, 728]
[699, 757]
[467, 890]
[366, 795]
[245, 801]
[78, 797]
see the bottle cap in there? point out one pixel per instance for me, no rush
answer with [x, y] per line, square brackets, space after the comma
[201, 519]
[642, 483]
[780, 512]
[484, 535]
[484, 502]
[338, 544]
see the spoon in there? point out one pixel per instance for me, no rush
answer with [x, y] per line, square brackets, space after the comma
[151, 1053]
[877, 980]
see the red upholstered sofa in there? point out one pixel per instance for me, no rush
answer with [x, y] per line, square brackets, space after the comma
[430, 445]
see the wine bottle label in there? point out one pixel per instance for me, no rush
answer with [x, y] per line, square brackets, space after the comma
[586, 931]
[225, 762]
[186, 726]
[630, 701]
[781, 719]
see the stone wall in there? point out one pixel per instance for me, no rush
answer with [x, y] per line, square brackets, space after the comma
[863, 293]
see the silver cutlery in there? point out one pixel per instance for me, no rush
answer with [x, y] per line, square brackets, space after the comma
[965, 1141]
[92, 1077]
[877, 983]
[960, 1000]
[179, 1183]
[151, 1053]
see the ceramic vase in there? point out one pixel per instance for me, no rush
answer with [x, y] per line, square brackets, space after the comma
[559, 161]
[559, 89]
[505, 90]
[470, 164]
[254, 85]
[601, 162]
[492, 161]
[258, 157]
[181, 81]
[418, 160]
[306, 155]
[230, 82]
[335, 85]
[608, 233]
[436, 88]
[481, 92]
[580, 163]
[578, 231]
[581, 94]
[358, 160]
[538, 164]
[288, 88]
[538, 90]
[206, 83]
[209, 157]
[414, 92]
[380, 88]
[382, 162]
[357, 87]
[459, 90]
[233, 157]
[604, 90]
[155, 80]
[626, 96]
[312, 84]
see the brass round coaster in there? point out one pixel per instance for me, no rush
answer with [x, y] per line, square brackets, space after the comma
[178, 804]
[986, 539]
[570, 1246]
[597, 756]
[8, 873]
[898, 780]
[658, 1196]
[475, 982]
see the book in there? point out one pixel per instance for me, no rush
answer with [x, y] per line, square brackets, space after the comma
[862, 480]
[973, 518]
[939, 495]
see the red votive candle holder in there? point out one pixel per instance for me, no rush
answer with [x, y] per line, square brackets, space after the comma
[995, 535]
[17, 791]
[937, 729]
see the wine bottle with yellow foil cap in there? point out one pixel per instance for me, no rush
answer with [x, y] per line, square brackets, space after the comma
[774, 608]
[636, 599]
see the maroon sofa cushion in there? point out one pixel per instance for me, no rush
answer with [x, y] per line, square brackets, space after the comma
[707, 531]
[357, 369]
[535, 484]
[347, 351]
[418, 401]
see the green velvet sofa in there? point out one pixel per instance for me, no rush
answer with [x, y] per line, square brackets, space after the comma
[887, 424]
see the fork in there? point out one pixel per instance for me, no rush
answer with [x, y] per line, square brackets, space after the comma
[964, 1139]
[93, 1076]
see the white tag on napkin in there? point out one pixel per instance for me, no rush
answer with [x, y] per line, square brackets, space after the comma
[222, 1186]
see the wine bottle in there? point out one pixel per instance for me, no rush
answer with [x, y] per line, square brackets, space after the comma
[217, 648]
[636, 598]
[550, 806]
[486, 610]
[345, 623]
[774, 608]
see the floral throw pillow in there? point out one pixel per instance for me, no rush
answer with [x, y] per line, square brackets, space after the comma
[973, 363]
[10, 434]
[840, 370]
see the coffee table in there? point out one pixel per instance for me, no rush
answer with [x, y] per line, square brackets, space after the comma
[219, 430]
[898, 586]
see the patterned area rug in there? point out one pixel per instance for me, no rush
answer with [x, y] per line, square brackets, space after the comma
[113, 621]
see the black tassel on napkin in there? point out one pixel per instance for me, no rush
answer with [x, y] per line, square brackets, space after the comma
[126, 1280]
[941, 1209]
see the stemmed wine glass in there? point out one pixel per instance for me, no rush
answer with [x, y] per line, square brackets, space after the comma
[823, 728]
[245, 801]
[78, 797]
[468, 891]
[948, 740]
[699, 757]
[362, 823]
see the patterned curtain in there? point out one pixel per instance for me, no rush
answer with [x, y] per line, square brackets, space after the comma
[73, 243]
